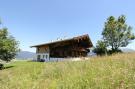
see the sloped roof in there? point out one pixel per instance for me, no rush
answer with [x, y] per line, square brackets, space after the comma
[78, 38]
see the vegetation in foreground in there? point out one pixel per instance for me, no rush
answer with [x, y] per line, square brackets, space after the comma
[110, 72]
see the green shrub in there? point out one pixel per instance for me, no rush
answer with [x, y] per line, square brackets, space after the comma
[1, 66]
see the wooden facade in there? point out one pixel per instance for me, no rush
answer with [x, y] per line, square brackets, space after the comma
[74, 47]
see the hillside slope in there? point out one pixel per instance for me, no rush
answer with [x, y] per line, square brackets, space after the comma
[25, 55]
[110, 72]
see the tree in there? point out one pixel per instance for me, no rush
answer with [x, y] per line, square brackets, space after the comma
[117, 33]
[101, 48]
[8, 45]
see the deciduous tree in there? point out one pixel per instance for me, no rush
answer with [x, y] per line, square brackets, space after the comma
[8, 45]
[117, 33]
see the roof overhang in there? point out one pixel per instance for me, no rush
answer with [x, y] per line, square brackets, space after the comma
[78, 38]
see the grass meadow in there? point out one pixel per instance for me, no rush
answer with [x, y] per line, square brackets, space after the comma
[108, 72]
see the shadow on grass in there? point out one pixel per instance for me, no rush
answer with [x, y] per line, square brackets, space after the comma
[8, 67]
[36, 61]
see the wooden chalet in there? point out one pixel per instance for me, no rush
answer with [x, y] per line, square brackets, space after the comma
[66, 48]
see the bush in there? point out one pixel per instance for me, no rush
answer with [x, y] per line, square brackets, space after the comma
[101, 48]
[1, 66]
[114, 51]
[42, 60]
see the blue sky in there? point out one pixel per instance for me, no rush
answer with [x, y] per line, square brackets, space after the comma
[39, 21]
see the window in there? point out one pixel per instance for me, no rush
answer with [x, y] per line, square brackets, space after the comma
[46, 56]
[46, 50]
[38, 49]
[38, 56]
[43, 56]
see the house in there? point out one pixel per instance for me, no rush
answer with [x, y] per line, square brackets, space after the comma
[66, 48]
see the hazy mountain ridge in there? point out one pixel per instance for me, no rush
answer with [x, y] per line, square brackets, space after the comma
[25, 55]
[125, 50]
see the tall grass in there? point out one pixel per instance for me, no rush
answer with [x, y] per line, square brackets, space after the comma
[108, 72]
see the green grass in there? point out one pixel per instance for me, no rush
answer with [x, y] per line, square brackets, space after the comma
[110, 72]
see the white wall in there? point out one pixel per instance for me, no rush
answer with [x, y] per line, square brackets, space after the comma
[56, 59]
[48, 59]
[44, 56]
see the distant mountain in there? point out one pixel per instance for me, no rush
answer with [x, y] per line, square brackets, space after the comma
[126, 50]
[25, 55]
